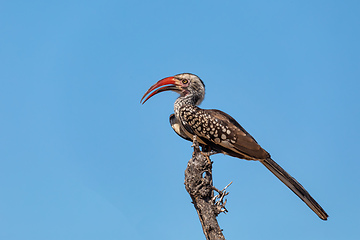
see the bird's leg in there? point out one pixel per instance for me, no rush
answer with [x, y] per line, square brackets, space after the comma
[218, 200]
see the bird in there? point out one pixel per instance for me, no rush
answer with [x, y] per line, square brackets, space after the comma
[218, 131]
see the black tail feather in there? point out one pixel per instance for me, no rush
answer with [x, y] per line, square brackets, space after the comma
[295, 186]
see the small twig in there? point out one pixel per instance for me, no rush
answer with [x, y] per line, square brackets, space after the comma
[218, 200]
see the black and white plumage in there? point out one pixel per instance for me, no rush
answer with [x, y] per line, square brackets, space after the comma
[219, 131]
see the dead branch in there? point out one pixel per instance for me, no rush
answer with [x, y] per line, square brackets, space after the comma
[199, 184]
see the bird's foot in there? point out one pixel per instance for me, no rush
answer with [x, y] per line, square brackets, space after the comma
[207, 155]
[219, 201]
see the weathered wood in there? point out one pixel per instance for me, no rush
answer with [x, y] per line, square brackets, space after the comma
[199, 184]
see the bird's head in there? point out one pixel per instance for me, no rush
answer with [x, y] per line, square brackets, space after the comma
[186, 84]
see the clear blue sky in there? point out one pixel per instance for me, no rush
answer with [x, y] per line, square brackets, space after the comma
[81, 158]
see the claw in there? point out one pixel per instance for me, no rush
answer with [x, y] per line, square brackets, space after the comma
[207, 157]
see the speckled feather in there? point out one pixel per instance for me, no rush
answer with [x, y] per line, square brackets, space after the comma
[221, 132]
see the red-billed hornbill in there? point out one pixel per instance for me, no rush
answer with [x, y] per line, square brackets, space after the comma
[219, 131]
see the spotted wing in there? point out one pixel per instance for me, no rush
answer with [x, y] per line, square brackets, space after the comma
[181, 131]
[220, 131]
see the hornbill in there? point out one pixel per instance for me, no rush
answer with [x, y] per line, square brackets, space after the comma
[220, 132]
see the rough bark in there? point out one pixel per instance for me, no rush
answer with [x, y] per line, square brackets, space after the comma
[199, 184]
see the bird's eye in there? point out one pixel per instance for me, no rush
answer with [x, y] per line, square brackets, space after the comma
[185, 81]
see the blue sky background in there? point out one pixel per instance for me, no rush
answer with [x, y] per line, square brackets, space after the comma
[81, 158]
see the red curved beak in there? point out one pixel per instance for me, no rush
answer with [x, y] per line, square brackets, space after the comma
[172, 86]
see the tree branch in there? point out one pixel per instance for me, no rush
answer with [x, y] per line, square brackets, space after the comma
[199, 184]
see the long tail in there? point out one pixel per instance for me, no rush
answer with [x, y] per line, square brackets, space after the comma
[295, 186]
